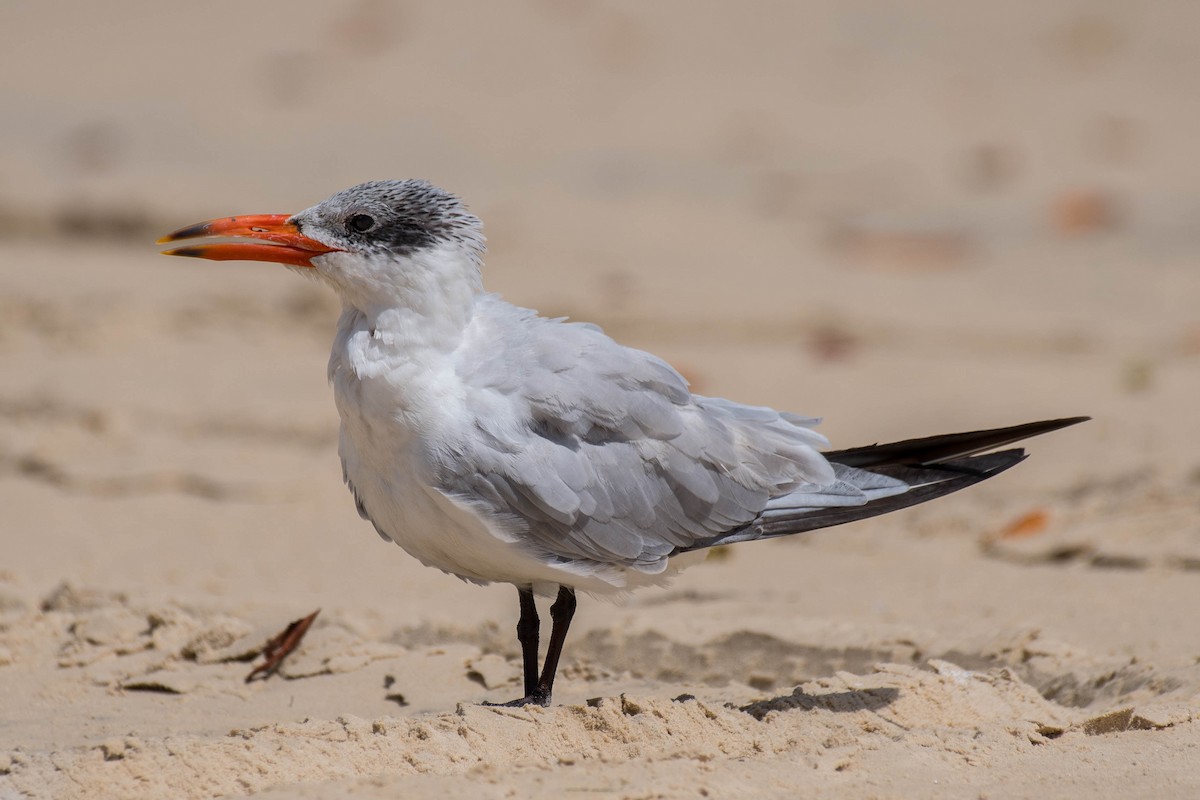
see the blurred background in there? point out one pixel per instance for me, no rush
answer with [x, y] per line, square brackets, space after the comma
[906, 218]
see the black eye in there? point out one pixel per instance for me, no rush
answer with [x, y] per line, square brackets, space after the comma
[360, 223]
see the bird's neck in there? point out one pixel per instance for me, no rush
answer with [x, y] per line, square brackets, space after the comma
[393, 354]
[426, 300]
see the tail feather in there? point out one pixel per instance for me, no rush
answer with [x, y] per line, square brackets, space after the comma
[931, 467]
[950, 477]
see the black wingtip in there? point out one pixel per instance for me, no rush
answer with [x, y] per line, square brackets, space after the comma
[951, 445]
[1054, 424]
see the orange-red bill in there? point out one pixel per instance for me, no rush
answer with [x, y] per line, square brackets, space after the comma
[281, 241]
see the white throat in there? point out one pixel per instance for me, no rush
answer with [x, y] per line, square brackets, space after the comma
[426, 298]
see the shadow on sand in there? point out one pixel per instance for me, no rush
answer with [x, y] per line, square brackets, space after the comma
[848, 701]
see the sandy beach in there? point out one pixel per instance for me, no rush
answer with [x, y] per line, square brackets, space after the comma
[907, 221]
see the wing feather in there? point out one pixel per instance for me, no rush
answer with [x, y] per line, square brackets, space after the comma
[592, 451]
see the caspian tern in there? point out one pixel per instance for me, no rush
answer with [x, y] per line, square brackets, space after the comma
[501, 446]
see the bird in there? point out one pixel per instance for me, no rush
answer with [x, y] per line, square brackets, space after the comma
[501, 446]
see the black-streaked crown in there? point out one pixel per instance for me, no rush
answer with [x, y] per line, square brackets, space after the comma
[396, 217]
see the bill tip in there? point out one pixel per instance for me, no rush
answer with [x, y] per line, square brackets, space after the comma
[187, 252]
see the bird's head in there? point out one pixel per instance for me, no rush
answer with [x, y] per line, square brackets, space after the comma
[377, 243]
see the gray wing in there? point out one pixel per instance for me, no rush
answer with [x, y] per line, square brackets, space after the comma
[592, 451]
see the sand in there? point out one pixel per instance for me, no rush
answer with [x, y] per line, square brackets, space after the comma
[907, 221]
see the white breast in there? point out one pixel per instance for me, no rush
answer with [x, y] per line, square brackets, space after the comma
[395, 406]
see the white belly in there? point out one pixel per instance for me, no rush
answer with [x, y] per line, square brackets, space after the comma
[440, 532]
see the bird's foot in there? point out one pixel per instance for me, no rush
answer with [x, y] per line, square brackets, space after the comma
[536, 699]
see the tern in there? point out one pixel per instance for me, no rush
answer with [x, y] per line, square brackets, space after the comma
[501, 446]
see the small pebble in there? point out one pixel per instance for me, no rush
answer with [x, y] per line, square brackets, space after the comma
[113, 749]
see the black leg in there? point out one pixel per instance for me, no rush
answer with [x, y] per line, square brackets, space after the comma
[527, 635]
[561, 613]
[538, 690]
